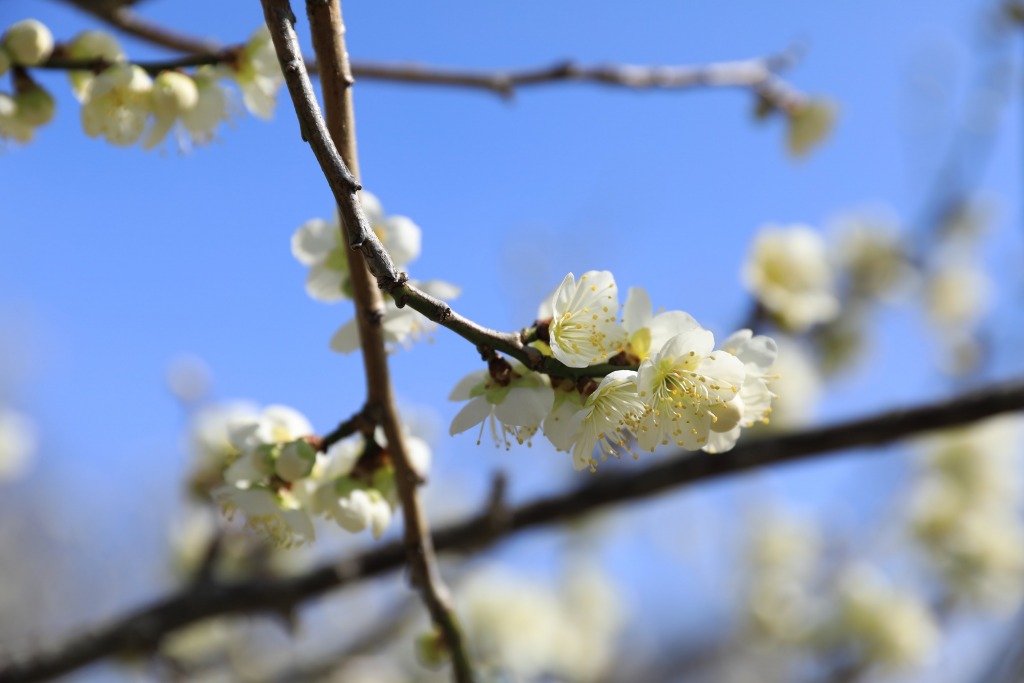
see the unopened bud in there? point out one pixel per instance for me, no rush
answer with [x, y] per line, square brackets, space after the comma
[28, 42]
[35, 106]
[295, 461]
[174, 93]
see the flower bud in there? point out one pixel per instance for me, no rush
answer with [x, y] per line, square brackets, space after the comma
[430, 650]
[35, 106]
[12, 127]
[173, 93]
[295, 461]
[95, 45]
[809, 126]
[28, 42]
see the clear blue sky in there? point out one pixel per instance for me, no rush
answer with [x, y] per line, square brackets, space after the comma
[113, 262]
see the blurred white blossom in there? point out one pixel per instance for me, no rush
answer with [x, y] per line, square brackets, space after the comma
[18, 443]
[789, 271]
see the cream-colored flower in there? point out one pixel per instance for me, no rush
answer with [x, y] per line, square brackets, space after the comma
[118, 105]
[788, 270]
[688, 387]
[584, 325]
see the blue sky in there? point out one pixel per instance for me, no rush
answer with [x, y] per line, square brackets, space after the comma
[113, 262]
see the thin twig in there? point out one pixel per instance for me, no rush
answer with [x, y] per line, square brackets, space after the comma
[759, 75]
[328, 32]
[143, 629]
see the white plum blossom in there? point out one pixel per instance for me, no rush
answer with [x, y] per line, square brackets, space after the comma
[559, 426]
[211, 108]
[208, 437]
[784, 556]
[258, 74]
[607, 420]
[957, 295]
[789, 272]
[276, 424]
[533, 631]
[174, 95]
[277, 517]
[514, 409]
[358, 501]
[965, 510]
[18, 443]
[647, 332]
[118, 104]
[797, 385]
[889, 627]
[354, 506]
[584, 328]
[90, 45]
[401, 326]
[754, 401]
[318, 244]
[688, 388]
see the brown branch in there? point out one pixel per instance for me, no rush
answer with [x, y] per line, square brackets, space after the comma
[328, 32]
[759, 75]
[143, 629]
[127, 21]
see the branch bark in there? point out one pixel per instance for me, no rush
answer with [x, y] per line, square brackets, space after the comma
[328, 32]
[759, 75]
[142, 630]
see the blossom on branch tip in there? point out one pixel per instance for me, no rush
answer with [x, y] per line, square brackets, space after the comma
[789, 272]
[514, 408]
[584, 327]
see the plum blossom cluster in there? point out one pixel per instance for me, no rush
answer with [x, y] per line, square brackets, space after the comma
[965, 511]
[272, 471]
[853, 613]
[675, 387]
[125, 104]
[318, 244]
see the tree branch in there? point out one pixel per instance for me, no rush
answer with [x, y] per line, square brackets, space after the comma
[328, 32]
[759, 75]
[143, 629]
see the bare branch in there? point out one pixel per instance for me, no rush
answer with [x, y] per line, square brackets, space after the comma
[759, 75]
[144, 628]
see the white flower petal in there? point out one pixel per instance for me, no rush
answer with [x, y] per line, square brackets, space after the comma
[314, 240]
[472, 414]
[346, 339]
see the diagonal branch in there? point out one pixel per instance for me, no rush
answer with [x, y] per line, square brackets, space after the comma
[328, 31]
[143, 629]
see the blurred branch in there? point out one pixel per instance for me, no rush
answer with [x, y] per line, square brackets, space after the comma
[759, 75]
[143, 629]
